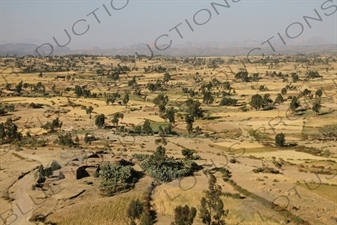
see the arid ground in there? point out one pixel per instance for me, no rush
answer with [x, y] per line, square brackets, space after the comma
[270, 182]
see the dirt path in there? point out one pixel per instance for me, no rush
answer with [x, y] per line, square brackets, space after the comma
[24, 204]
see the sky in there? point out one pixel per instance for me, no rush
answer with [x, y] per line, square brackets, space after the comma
[132, 22]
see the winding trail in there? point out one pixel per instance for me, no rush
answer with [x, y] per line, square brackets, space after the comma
[24, 204]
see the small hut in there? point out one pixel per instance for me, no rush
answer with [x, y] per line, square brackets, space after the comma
[81, 173]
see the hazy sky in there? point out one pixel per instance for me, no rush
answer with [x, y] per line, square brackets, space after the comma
[144, 21]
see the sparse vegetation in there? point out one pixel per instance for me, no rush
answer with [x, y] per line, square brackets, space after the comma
[134, 126]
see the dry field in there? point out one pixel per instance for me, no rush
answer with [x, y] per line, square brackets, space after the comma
[37, 91]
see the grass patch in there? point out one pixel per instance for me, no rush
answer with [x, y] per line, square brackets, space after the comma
[324, 190]
[155, 125]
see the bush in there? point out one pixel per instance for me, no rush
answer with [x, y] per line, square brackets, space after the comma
[266, 170]
[228, 101]
[135, 209]
[188, 153]
[232, 160]
[65, 140]
[226, 174]
[116, 178]
[159, 166]
[55, 165]
[280, 139]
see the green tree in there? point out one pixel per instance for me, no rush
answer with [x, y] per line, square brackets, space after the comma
[52, 126]
[132, 82]
[152, 87]
[170, 115]
[226, 85]
[319, 93]
[228, 101]
[18, 87]
[78, 91]
[116, 118]
[316, 107]
[167, 77]
[86, 138]
[294, 104]
[256, 102]
[100, 120]
[208, 97]
[189, 119]
[9, 131]
[284, 91]
[2, 111]
[115, 178]
[147, 129]
[89, 110]
[194, 109]
[161, 100]
[243, 75]
[212, 208]
[65, 140]
[295, 77]
[313, 74]
[44, 172]
[187, 153]
[126, 98]
[278, 99]
[159, 156]
[77, 140]
[280, 140]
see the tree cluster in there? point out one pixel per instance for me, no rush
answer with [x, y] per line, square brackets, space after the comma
[116, 178]
[163, 168]
[9, 132]
[52, 126]
[65, 140]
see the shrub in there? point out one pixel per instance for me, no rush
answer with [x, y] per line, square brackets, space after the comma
[116, 178]
[280, 139]
[232, 160]
[135, 209]
[55, 165]
[266, 170]
[159, 166]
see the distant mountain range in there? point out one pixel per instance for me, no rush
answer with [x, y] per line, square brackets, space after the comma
[22, 49]
[305, 46]
[255, 43]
